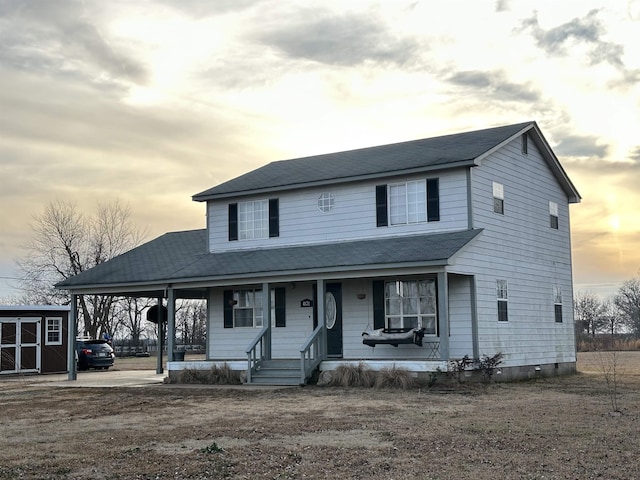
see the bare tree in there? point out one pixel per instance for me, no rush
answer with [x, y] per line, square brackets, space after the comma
[611, 317]
[627, 300]
[191, 320]
[65, 243]
[589, 313]
[129, 312]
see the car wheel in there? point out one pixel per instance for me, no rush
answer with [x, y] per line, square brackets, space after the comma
[82, 365]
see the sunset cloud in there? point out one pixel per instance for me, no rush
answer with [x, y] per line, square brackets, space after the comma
[151, 102]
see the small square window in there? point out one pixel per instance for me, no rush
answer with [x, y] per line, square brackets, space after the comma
[54, 331]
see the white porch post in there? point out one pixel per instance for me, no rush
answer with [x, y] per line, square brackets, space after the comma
[171, 323]
[474, 317]
[443, 314]
[266, 315]
[72, 328]
[320, 311]
[160, 337]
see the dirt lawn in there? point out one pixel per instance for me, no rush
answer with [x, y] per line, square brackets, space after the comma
[546, 428]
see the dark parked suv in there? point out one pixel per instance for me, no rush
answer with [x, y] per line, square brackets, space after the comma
[94, 354]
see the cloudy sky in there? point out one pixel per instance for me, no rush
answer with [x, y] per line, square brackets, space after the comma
[150, 102]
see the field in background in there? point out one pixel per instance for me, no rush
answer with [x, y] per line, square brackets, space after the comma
[552, 428]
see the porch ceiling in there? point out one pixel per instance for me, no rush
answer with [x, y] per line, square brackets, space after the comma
[180, 258]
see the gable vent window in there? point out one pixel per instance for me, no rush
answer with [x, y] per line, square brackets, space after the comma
[498, 198]
[525, 144]
[553, 215]
[502, 294]
[325, 202]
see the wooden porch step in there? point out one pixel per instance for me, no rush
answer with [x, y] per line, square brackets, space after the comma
[277, 372]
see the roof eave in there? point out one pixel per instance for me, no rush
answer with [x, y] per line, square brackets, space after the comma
[335, 181]
[160, 288]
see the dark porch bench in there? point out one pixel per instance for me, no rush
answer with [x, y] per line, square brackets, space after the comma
[394, 336]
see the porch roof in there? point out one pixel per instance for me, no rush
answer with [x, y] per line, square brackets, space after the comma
[181, 258]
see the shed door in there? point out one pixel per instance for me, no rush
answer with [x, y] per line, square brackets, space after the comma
[20, 345]
[8, 346]
[29, 346]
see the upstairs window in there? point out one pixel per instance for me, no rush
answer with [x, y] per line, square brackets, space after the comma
[525, 144]
[254, 220]
[408, 202]
[503, 297]
[553, 215]
[498, 198]
[557, 303]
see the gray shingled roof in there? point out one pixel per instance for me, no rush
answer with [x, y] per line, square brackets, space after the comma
[181, 257]
[429, 153]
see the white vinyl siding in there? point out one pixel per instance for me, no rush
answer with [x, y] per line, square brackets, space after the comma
[352, 217]
[517, 247]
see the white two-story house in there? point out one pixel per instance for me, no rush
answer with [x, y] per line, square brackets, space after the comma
[436, 249]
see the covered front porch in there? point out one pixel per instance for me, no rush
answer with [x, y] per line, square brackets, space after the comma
[285, 343]
[303, 307]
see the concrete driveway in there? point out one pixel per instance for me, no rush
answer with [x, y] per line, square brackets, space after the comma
[100, 378]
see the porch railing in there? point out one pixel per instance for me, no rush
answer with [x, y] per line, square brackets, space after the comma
[258, 351]
[311, 353]
[433, 350]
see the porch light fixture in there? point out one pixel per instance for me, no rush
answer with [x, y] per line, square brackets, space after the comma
[233, 302]
[362, 296]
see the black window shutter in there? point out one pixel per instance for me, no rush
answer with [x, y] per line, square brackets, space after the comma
[274, 218]
[381, 205]
[233, 221]
[279, 307]
[433, 200]
[378, 304]
[227, 299]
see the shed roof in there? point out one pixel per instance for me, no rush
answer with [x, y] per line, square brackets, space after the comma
[181, 257]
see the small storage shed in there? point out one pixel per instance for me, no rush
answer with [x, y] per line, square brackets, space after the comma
[33, 339]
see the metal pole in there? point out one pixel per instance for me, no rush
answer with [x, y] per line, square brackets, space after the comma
[72, 328]
[160, 337]
[171, 323]
[443, 314]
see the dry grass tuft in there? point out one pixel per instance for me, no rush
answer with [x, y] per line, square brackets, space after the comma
[359, 375]
[217, 375]
[224, 375]
[192, 375]
[395, 377]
